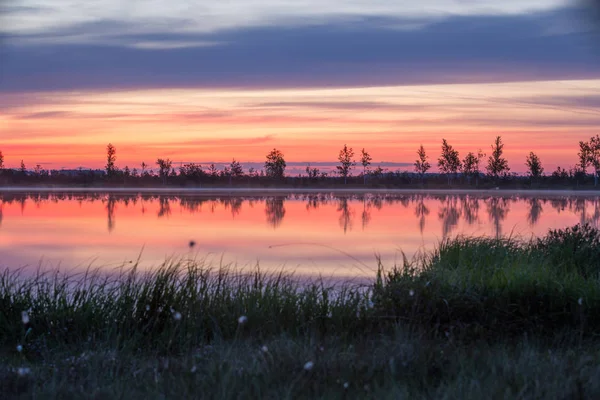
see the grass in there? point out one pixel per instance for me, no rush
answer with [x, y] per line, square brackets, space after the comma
[477, 318]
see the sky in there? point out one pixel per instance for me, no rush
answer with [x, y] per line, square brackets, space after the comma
[207, 81]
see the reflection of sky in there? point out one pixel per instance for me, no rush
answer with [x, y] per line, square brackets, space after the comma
[331, 236]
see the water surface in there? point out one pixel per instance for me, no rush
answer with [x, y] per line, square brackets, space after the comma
[324, 234]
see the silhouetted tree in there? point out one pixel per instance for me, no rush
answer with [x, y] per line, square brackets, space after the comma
[584, 156]
[213, 171]
[365, 160]
[23, 169]
[111, 157]
[346, 161]
[471, 166]
[312, 173]
[236, 169]
[421, 164]
[534, 165]
[144, 166]
[497, 164]
[1, 161]
[164, 167]
[594, 156]
[449, 162]
[275, 164]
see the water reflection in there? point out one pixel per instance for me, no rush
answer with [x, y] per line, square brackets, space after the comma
[68, 224]
[275, 211]
[450, 209]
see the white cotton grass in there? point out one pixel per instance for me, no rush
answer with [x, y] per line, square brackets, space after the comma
[177, 316]
[309, 365]
[411, 293]
[19, 348]
[242, 320]
[23, 371]
[346, 385]
[264, 349]
[147, 308]
[25, 317]
[194, 369]
[580, 301]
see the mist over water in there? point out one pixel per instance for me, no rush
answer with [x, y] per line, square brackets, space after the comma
[322, 234]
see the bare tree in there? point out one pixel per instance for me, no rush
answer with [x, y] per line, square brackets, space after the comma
[421, 164]
[111, 157]
[1, 161]
[275, 164]
[497, 164]
[449, 162]
[365, 160]
[346, 161]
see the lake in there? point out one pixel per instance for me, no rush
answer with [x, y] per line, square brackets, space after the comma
[332, 235]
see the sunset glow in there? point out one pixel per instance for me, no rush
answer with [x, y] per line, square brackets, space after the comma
[206, 83]
[63, 129]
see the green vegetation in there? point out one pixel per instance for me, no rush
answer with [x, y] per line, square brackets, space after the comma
[477, 318]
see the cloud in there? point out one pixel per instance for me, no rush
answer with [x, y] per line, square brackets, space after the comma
[458, 49]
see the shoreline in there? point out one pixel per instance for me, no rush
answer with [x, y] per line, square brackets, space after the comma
[225, 191]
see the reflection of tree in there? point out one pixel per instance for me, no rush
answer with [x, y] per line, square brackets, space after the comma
[234, 204]
[421, 212]
[470, 209]
[559, 204]
[346, 214]
[366, 214]
[497, 208]
[580, 206]
[596, 215]
[110, 211]
[312, 202]
[535, 210]
[164, 209]
[275, 211]
[449, 214]
[1, 213]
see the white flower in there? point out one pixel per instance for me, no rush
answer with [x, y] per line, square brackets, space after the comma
[177, 316]
[242, 320]
[580, 301]
[19, 348]
[25, 317]
[411, 293]
[147, 308]
[194, 369]
[346, 385]
[264, 349]
[23, 371]
[309, 365]
[370, 304]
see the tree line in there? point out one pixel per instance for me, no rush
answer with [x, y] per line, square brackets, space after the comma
[470, 168]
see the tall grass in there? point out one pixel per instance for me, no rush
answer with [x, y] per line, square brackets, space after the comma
[476, 318]
[498, 287]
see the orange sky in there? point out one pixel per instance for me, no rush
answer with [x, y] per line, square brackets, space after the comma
[71, 129]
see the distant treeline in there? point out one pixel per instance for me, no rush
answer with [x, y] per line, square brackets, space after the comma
[468, 171]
